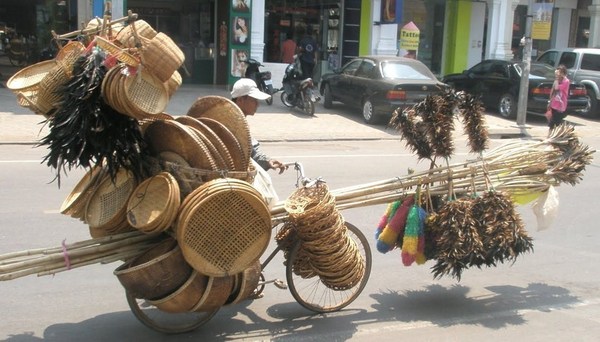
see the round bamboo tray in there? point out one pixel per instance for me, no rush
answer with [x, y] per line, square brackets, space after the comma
[219, 242]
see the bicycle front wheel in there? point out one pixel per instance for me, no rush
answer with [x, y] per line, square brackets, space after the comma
[165, 322]
[313, 294]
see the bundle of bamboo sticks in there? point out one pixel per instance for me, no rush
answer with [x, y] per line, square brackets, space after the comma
[49, 261]
[518, 167]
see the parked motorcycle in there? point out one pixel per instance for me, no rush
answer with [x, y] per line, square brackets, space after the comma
[262, 78]
[298, 91]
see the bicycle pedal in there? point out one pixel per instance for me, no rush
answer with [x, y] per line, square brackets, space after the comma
[280, 284]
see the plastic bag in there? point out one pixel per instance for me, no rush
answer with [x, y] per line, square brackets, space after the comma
[262, 183]
[545, 208]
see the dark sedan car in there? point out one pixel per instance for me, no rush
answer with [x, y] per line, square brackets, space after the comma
[379, 85]
[498, 82]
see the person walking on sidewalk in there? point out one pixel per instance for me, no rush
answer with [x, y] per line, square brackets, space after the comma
[558, 97]
[246, 95]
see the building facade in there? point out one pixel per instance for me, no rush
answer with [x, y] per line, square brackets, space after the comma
[451, 35]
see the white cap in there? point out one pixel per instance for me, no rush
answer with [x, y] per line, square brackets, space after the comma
[247, 87]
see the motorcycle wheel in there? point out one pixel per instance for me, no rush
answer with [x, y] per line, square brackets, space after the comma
[309, 106]
[285, 100]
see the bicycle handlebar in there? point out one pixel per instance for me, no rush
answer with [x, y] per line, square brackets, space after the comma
[302, 179]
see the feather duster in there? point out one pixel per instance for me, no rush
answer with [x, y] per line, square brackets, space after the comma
[84, 131]
[457, 238]
[413, 132]
[500, 228]
[472, 111]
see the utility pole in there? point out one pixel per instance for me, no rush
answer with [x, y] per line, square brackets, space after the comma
[524, 85]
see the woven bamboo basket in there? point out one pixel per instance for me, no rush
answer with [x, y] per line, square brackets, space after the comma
[68, 54]
[127, 36]
[186, 297]
[213, 138]
[145, 94]
[29, 77]
[49, 92]
[161, 56]
[217, 292]
[155, 274]
[120, 53]
[107, 205]
[247, 283]
[173, 83]
[28, 99]
[75, 203]
[154, 204]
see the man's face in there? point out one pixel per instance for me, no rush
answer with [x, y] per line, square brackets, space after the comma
[248, 105]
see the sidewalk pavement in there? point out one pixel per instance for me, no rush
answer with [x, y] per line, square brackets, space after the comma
[270, 124]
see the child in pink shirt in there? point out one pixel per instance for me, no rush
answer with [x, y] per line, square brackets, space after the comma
[558, 97]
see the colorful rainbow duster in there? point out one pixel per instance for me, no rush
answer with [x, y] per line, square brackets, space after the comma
[410, 241]
[421, 258]
[394, 229]
[389, 212]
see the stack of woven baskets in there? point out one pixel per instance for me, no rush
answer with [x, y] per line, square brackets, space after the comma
[36, 85]
[201, 164]
[327, 250]
[196, 165]
[142, 67]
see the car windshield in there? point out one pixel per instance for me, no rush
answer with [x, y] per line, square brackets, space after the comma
[537, 70]
[404, 71]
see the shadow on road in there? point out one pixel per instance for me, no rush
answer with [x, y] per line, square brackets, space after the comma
[441, 306]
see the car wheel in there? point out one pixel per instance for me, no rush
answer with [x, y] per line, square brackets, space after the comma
[592, 108]
[507, 106]
[327, 97]
[368, 112]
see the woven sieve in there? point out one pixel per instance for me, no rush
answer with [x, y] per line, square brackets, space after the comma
[221, 242]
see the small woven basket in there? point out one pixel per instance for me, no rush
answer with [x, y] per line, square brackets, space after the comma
[217, 292]
[185, 297]
[173, 83]
[127, 36]
[121, 54]
[153, 205]
[29, 77]
[161, 56]
[145, 95]
[49, 92]
[155, 274]
[108, 203]
[75, 203]
[67, 56]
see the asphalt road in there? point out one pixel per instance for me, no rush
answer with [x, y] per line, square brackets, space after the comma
[551, 294]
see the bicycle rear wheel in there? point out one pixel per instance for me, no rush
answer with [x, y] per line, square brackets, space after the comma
[313, 294]
[165, 322]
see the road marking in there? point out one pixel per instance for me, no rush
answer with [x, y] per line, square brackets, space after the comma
[20, 161]
[360, 155]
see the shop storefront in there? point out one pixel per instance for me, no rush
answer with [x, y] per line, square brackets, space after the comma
[322, 19]
[191, 24]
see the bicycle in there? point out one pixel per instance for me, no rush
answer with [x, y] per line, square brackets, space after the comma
[311, 293]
